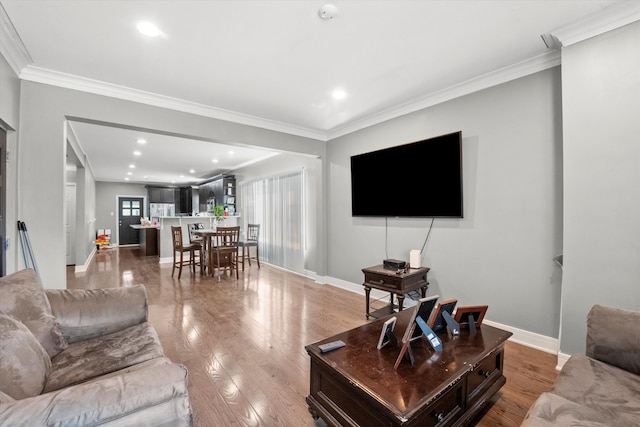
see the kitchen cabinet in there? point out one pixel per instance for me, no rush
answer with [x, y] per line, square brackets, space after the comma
[161, 194]
[220, 191]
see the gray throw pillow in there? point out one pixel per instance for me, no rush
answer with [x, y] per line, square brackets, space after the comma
[23, 361]
[22, 296]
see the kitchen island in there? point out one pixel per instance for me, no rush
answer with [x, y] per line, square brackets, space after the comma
[148, 238]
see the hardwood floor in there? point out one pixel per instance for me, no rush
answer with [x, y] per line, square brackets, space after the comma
[243, 340]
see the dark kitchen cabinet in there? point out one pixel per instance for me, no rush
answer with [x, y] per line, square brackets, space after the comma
[217, 192]
[183, 195]
[161, 194]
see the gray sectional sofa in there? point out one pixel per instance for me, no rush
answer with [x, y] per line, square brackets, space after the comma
[84, 357]
[601, 388]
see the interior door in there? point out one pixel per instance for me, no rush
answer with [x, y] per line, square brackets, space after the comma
[129, 212]
[3, 198]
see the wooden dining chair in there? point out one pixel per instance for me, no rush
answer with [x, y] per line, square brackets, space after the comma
[253, 234]
[194, 239]
[225, 251]
[180, 248]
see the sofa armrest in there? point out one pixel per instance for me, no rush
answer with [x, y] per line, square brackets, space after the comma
[86, 314]
[148, 397]
[613, 337]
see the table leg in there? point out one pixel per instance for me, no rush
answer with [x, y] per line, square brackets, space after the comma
[424, 291]
[400, 301]
[209, 260]
[367, 291]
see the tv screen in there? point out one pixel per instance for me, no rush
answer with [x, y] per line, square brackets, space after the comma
[419, 179]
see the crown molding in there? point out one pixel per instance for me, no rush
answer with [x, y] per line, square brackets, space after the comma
[11, 45]
[609, 18]
[612, 17]
[533, 65]
[55, 78]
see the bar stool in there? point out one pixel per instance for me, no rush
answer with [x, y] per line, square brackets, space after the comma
[198, 242]
[181, 248]
[253, 234]
[225, 252]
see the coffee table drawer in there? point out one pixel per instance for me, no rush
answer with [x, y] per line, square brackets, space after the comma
[484, 375]
[445, 411]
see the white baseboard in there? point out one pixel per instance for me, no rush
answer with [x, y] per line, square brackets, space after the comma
[527, 338]
[562, 359]
[82, 268]
[357, 288]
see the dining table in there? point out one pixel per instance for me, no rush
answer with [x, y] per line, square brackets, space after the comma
[208, 244]
[207, 235]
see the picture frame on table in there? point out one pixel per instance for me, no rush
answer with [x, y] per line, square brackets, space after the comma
[463, 313]
[423, 308]
[436, 321]
[387, 332]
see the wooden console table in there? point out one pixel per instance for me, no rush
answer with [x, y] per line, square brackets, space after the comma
[388, 280]
[356, 385]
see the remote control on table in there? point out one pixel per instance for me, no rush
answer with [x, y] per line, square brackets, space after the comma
[331, 346]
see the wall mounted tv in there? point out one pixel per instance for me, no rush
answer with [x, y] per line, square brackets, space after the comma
[419, 179]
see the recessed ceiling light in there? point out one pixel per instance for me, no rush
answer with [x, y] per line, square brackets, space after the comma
[132, 166]
[339, 94]
[141, 141]
[231, 153]
[173, 182]
[214, 160]
[126, 178]
[182, 176]
[129, 173]
[149, 29]
[192, 171]
[137, 153]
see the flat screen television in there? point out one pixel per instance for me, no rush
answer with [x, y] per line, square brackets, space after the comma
[419, 179]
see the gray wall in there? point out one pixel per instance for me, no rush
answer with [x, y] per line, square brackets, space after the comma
[85, 226]
[107, 203]
[501, 252]
[601, 96]
[10, 122]
[41, 180]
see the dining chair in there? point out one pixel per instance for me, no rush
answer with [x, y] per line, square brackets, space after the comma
[224, 254]
[180, 248]
[197, 241]
[253, 235]
[193, 237]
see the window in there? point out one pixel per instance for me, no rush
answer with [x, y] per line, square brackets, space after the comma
[277, 204]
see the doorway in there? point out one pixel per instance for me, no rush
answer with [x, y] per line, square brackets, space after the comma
[129, 213]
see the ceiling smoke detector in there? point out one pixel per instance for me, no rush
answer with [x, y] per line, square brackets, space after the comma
[328, 11]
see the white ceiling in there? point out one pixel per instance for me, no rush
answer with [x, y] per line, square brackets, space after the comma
[161, 159]
[276, 63]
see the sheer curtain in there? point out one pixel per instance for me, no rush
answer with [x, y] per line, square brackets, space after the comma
[277, 204]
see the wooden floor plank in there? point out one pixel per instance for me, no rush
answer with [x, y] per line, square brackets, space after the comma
[243, 340]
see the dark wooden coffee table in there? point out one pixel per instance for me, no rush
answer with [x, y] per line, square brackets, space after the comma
[357, 385]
